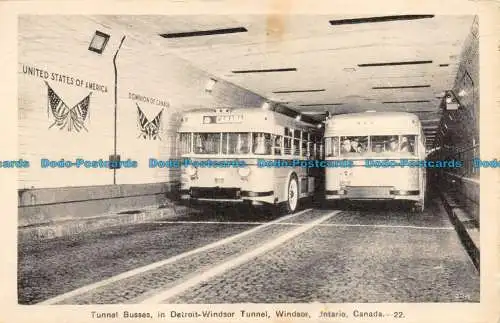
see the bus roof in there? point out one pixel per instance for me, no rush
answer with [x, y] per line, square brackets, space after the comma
[373, 123]
[240, 120]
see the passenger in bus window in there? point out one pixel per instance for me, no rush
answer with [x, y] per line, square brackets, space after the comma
[262, 144]
[355, 146]
[378, 148]
[361, 148]
[346, 146]
[199, 145]
[242, 144]
[277, 145]
[393, 144]
[405, 145]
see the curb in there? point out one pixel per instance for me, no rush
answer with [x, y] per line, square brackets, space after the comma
[65, 228]
[464, 228]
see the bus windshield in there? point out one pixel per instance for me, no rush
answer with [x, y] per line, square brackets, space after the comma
[227, 143]
[387, 145]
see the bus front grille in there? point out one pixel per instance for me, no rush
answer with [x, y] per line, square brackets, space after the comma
[368, 191]
[215, 193]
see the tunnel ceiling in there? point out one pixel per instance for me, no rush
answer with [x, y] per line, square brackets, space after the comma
[315, 64]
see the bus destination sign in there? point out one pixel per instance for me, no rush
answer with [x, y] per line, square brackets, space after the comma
[231, 118]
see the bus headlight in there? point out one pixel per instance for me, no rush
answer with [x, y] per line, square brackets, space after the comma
[244, 171]
[191, 171]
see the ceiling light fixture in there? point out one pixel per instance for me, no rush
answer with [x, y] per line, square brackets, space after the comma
[205, 32]
[319, 104]
[377, 19]
[299, 91]
[400, 87]
[395, 63]
[452, 102]
[410, 101]
[270, 70]
[99, 42]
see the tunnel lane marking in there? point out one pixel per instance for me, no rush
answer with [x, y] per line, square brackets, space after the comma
[220, 222]
[240, 260]
[298, 224]
[152, 266]
[385, 226]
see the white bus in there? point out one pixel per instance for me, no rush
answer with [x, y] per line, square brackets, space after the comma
[250, 137]
[381, 146]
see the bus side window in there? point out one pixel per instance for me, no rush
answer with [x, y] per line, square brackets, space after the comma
[296, 142]
[262, 144]
[331, 146]
[287, 142]
[305, 146]
[311, 147]
[318, 145]
[278, 140]
[240, 142]
[393, 144]
[185, 142]
[198, 144]
[407, 144]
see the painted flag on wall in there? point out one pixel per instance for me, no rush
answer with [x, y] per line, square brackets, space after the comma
[71, 119]
[149, 129]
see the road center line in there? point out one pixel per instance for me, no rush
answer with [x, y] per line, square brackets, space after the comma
[143, 269]
[224, 267]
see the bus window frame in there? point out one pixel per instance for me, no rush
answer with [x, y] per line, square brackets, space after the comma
[191, 143]
[288, 135]
[305, 140]
[307, 137]
[274, 146]
[295, 151]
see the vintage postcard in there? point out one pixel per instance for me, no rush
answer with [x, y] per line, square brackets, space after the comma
[270, 161]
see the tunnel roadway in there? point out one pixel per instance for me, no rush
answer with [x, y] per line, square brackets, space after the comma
[364, 252]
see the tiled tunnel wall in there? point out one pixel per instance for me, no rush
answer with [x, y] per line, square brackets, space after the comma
[57, 73]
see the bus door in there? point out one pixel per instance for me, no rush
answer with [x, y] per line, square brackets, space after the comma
[313, 171]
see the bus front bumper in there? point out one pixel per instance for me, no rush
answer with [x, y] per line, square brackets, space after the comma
[371, 193]
[227, 194]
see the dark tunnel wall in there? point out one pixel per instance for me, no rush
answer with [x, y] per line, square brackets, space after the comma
[459, 130]
[458, 135]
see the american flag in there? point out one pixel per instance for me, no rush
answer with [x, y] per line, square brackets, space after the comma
[149, 129]
[64, 117]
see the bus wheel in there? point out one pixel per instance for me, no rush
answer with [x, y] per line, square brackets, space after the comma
[292, 201]
[418, 207]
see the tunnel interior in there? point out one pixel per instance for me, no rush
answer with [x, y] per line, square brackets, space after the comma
[95, 91]
[131, 94]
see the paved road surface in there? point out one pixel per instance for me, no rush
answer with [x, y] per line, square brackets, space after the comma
[367, 253]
